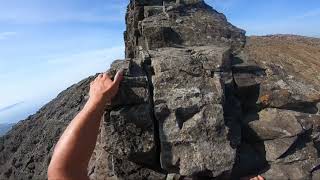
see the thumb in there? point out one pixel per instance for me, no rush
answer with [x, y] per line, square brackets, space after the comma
[118, 78]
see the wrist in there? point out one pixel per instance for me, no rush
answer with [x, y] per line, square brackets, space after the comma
[98, 101]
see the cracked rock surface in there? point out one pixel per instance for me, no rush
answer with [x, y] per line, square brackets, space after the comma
[199, 100]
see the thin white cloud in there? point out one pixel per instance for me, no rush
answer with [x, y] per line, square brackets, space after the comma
[223, 5]
[8, 107]
[309, 14]
[53, 76]
[6, 35]
[39, 17]
[41, 13]
[96, 55]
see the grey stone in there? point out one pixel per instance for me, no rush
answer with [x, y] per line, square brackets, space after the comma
[133, 90]
[277, 147]
[298, 163]
[316, 175]
[162, 30]
[115, 168]
[213, 58]
[119, 65]
[173, 177]
[189, 108]
[283, 84]
[152, 10]
[130, 133]
[179, 21]
[108, 164]
[272, 124]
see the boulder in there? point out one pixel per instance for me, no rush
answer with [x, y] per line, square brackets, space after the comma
[150, 27]
[189, 109]
[113, 158]
[275, 148]
[299, 163]
[279, 80]
[130, 133]
[271, 124]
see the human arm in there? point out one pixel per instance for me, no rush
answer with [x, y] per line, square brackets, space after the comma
[76, 145]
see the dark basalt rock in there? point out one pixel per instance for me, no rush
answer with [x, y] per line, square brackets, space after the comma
[199, 100]
[273, 124]
[194, 127]
[179, 23]
[279, 104]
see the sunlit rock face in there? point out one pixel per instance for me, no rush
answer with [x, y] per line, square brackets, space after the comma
[199, 100]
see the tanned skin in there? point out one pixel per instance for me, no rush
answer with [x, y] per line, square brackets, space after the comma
[74, 149]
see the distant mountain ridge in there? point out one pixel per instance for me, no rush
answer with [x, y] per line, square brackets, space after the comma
[4, 128]
[11, 106]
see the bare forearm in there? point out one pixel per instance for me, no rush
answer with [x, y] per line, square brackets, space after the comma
[75, 147]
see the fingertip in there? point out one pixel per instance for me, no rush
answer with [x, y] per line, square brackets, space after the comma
[120, 72]
[119, 76]
[100, 75]
[104, 75]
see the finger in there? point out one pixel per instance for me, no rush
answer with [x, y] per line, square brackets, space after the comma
[104, 75]
[100, 76]
[107, 79]
[260, 177]
[118, 78]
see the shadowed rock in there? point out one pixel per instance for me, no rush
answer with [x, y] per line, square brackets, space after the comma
[272, 124]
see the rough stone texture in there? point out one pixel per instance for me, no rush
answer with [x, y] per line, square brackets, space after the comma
[192, 131]
[316, 175]
[274, 149]
[106, 166]
[278, 86]
[197, 102]
[299, 163]
[272, 124]
[289, 65]
[180, 23]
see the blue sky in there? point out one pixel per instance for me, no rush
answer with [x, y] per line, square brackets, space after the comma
[46, 46]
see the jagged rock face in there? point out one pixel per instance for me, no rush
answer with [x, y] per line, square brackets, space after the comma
[189, 108]
[288, 77]
[279, 102]
[156, 24]
[195, 103]
[186, 87]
